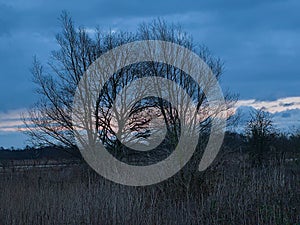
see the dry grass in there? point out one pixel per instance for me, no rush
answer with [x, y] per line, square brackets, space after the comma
[228, 194]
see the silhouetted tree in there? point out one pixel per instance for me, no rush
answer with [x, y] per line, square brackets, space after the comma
[49, 121]
[260, 132]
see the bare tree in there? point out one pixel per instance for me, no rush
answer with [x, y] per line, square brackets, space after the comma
[260, 132]
[50, 121]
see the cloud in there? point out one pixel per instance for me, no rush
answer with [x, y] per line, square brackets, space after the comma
[258, 40]
[10, 134]
[286, 104]
[287, 121]
[285, 113]
[10, 121]
[279, 105]
[6, 22]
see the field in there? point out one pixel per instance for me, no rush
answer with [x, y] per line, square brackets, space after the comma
[229, 192]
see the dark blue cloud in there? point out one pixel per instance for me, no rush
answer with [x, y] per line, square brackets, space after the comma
[258, 40]
[287, 104]
[6, 22]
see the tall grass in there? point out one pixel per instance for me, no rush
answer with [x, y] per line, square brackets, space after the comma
[234, 193]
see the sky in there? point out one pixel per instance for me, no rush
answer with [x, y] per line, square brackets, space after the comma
[258, 40]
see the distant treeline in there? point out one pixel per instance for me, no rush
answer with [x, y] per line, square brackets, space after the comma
[234, 142]
[49, 152]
